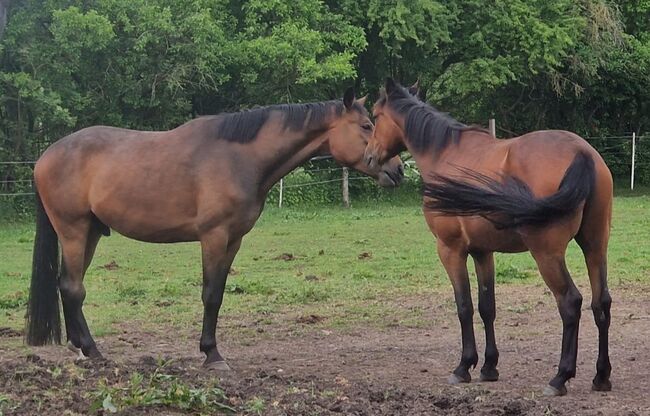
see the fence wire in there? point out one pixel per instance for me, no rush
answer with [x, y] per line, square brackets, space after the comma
[615, 149]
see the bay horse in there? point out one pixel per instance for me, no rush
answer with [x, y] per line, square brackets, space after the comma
[533, 193]
[205, 181]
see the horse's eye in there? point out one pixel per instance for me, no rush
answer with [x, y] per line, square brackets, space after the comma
[367, 127]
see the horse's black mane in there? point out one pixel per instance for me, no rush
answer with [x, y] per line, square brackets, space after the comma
[243, 126]
[424, 126]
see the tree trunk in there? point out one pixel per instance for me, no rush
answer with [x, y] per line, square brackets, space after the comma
[4, 6]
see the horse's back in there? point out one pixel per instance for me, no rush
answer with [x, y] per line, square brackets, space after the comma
[74, 158]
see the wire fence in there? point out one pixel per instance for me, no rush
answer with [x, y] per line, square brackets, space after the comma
[627, 155]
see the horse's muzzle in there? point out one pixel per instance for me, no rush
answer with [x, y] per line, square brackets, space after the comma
[370, 158]
[391, 176]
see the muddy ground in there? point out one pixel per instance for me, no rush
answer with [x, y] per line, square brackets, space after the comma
[298, 365]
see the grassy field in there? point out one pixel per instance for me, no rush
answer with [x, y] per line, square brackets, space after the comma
[340, 263]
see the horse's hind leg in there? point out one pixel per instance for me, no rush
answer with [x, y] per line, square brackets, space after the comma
[74, 342]
[553, 268]
[594, 246]
[455, 262]
[484, 263]
[77, 240]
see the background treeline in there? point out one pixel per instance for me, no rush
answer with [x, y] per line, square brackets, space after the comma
[581, 65]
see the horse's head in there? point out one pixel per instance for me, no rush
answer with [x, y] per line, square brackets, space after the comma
[388, 138]
[347, 140]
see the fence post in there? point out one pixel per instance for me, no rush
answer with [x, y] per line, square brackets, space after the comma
[281, 190]
[346, 188]
[633, 160]
[493, 128]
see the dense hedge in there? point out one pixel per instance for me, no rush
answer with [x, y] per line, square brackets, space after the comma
[579, 65]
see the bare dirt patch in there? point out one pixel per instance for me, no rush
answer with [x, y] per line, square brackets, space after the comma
[294, 369]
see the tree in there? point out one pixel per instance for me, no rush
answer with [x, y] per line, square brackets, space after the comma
[4, 5]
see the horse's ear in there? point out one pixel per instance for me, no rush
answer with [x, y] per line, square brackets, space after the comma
[415, 88]
[382, 94]
[422, 95]
[391, 85]
[348, 98]
[362, 100]
[416, 91]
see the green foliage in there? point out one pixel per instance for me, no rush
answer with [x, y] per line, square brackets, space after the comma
[255, 406]
[5, 404]
[403, 21]
[157, 390]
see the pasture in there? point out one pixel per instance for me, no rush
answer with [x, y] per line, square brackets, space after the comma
[326, 311]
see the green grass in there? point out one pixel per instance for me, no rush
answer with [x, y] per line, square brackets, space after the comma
[156, 285]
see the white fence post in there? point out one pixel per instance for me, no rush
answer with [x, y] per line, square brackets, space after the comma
[281, 191]
[346, 188]
[493, 128]
[633, 160]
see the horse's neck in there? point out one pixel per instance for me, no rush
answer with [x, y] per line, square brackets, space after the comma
[277, 156]
[471, 151]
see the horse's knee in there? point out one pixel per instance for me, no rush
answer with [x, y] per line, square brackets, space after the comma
[211, 296]
[72, 290]
[601, 309]
[570, 306]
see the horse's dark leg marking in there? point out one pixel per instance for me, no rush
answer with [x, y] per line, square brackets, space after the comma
[455, 263]
[218, 255]
[601, 301]
[600, 305]
[484, 263]
[569, 301]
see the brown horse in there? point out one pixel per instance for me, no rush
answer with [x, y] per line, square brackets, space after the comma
[532, 193]
[205, 181]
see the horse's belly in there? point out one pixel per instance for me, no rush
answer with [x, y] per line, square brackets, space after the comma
[496, 240]
[150, 225]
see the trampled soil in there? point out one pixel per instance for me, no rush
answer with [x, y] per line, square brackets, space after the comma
[300, 366]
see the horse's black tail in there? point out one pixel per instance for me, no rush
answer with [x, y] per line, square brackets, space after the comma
[510, 203]
[43, 318]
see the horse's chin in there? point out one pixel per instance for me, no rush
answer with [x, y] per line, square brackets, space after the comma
[386, 179]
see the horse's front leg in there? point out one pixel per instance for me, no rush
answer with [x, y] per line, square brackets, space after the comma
[218, 252]
[455, 262]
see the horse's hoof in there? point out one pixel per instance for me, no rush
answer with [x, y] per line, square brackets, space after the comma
[605, 385]
[217, 366]
[456, 379]
[80, 354]
[551, 391]
[489, 375]
[72, 348]
[93, 354]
